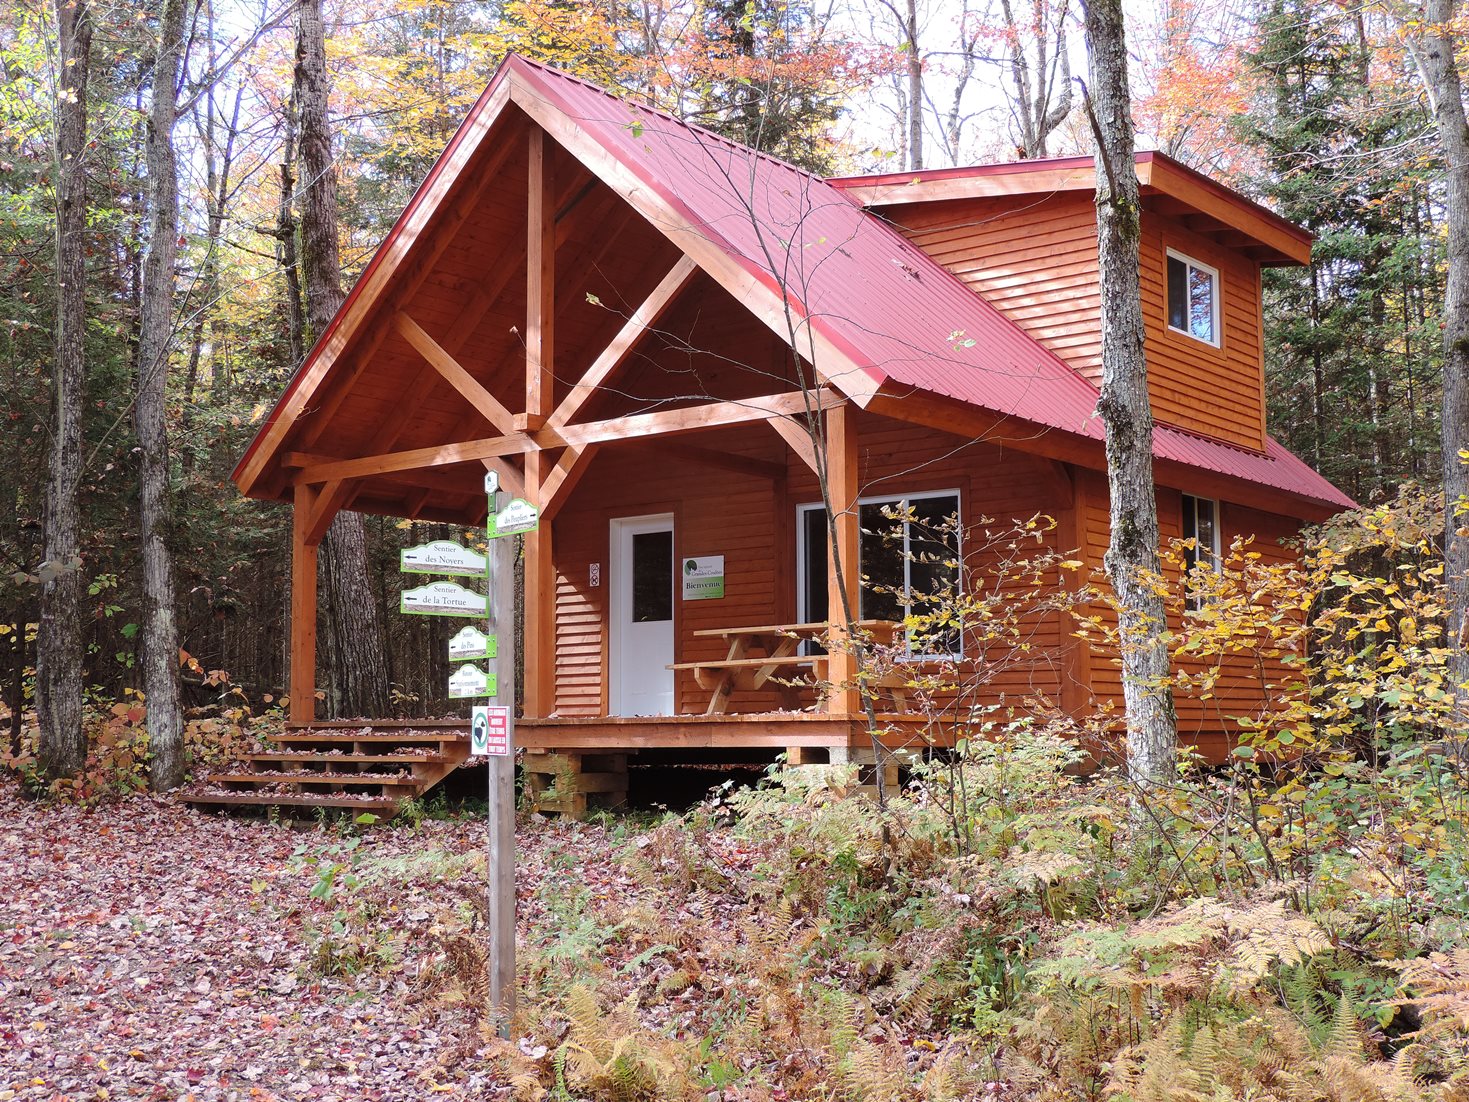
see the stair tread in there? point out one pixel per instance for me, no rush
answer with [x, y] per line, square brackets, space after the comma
[327, 756]
[296, 799]
[397, 737]
[397, 780]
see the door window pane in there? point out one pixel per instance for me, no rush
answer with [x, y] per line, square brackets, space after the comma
[652, 577]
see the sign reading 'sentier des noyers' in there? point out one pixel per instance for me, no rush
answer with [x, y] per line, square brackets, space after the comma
[703, 578]
[442, 557]
[443, 599]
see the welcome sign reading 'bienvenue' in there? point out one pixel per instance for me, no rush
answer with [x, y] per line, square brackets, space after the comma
[443, 599]
[471, 643]
[703, 578]
[442, 557]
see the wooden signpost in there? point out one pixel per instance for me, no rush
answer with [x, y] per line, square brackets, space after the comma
[492, 726]
[500, 729]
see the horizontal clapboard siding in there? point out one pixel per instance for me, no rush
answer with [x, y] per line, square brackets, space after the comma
[1035, 259]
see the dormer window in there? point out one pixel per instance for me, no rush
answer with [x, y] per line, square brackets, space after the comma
[1193, 298]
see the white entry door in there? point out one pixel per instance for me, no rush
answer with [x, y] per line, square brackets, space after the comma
[641, 612]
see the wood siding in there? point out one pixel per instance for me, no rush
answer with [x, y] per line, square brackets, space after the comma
[1209, 723]
[751, 521]
[1035, 258]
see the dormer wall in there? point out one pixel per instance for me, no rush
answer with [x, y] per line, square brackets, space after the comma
[1034, 256]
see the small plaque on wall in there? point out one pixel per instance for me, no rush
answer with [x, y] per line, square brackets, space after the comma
[703, 578]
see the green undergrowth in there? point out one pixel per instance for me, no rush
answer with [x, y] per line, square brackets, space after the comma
[1004, 928]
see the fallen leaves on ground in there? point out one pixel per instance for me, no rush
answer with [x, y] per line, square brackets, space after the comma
[150, 951]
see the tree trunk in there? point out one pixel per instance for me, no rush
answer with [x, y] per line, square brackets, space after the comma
[1441, 78]
[63, 744]
[359, 659]
[915, 87]
[160, 637]
[1132, 555]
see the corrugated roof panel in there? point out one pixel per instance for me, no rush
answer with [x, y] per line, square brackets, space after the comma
[901, 314]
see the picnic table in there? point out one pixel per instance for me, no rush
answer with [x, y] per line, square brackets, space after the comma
[776, 667]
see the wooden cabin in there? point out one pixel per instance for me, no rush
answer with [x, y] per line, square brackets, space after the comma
[638, 325]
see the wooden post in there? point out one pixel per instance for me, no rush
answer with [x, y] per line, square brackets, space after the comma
[303, 608]
[844, 697]
[501, 855]
[540, 281]
[540, 576]
[540, 598]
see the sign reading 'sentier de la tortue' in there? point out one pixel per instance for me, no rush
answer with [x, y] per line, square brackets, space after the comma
[471, 643]
[517, 516]
[443, 599]
[442, 557]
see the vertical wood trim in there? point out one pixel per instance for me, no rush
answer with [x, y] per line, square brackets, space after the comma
[540, 599]
[540, 280]
[303, 608]
[841, 465]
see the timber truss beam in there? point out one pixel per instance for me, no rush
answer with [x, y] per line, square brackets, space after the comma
[642, 426]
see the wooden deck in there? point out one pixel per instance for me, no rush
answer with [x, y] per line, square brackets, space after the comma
[620, 734]
[571, 765]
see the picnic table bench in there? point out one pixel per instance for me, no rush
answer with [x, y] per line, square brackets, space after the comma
[742, 671]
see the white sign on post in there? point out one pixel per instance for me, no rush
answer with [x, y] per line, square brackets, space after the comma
[442, 557]
[443, 599]
[470, 681]
[489, 731]
[518, 516]
[471, 643]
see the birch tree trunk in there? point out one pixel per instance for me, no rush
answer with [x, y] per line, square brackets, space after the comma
[63, 744]
[359, 668]
[160, 637]
[1132, 554]
[1435, 55]
[914, 63]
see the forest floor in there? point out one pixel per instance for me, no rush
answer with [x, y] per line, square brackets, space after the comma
[149, 951]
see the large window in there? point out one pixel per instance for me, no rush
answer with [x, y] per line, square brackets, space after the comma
[1193, 298]
[1201, 524]
[908, 555]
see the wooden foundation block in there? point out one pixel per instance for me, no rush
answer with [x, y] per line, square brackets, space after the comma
[573, 784]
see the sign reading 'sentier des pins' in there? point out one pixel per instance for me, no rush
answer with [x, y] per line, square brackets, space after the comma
[443, 599]
[471, 643]
[442, 557]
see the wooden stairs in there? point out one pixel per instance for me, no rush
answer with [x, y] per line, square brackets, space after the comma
[363, 768]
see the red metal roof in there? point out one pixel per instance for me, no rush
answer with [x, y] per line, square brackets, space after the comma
[898, 313]
[898, 316]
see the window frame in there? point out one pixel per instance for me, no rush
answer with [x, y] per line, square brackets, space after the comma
[1216, 320]
[802, 584]
[1193, 556]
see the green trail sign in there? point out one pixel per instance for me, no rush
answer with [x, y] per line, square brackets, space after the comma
[442, 599]
[442, 557]
[516, 517]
